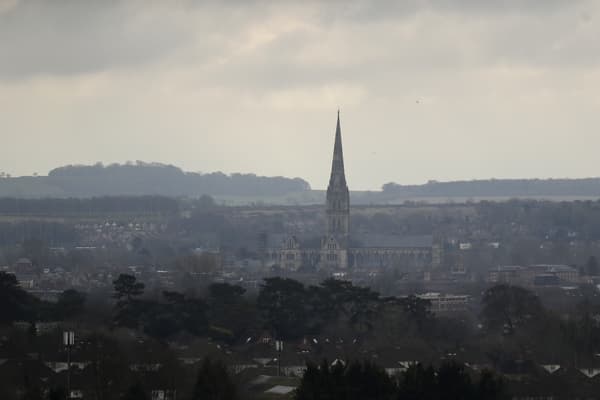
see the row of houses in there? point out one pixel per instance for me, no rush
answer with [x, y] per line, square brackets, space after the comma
[256, 372]
[534, 275]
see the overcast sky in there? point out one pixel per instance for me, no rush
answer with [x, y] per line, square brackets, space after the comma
[436, 89]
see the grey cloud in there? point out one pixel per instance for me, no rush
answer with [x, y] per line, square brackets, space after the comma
[365, 11]
[71, 37]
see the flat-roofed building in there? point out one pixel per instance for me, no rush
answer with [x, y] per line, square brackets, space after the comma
[446, 302]
[539, 274]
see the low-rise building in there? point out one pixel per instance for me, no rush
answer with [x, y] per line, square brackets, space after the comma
[539, 274]
[563, 272]
[446, 302]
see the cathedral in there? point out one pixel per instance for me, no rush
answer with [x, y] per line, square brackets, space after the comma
[339, 251]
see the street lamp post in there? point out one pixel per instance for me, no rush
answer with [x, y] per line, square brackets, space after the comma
[68, 342]
[279, 348]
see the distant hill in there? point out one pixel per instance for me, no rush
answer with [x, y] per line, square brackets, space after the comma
[587, 187]
[145, 179]
[153, 179]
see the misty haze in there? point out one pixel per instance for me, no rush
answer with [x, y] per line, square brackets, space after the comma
[299, 200]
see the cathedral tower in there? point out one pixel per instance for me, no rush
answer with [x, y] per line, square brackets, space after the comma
[334, 248]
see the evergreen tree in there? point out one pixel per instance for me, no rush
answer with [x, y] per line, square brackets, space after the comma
[126, 288]
[127, 308]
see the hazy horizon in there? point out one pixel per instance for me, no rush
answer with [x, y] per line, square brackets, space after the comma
[428, 90]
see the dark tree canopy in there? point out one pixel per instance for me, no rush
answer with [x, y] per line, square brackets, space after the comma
[509, 307]
[135, 392]
[127, 287]
[214, 383]
[356, 381]
[283, 307]
[70, 303]
[15, 303]
[128, 308]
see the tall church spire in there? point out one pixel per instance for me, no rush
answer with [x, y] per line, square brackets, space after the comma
[338, 197]
[338, 176]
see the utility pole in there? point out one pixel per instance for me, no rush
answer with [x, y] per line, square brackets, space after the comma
[68, 341]
[279, 348]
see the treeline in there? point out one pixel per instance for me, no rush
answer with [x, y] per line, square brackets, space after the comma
[117, 367]
[513, 334]
[89, 206]
[136, 179]
[512, 325]
[513, 322]
[42, 233]
[365, 380]
[284, 307]
[529, 231]
[552, 220]
[497, 188]
[18, 305]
